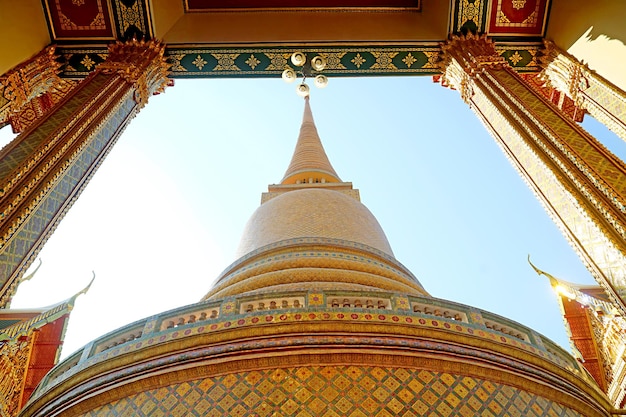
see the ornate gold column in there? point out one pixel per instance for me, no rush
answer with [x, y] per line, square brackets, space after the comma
[581, 184]
[602, 99]
[44, 170]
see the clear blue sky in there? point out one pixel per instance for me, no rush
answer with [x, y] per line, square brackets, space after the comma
[164, 214]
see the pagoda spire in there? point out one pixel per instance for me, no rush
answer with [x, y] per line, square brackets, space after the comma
[309, 162]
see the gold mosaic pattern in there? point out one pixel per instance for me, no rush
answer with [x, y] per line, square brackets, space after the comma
[333, 391]
[278, 219]
[309, 158]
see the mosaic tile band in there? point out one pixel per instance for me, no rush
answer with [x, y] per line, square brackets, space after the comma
[333, 391]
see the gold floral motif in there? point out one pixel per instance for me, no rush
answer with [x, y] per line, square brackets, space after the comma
[66, 23]
[599, 97]
[576, 207]
[533, 60]
[358, 60]
[531, 20]
[278, 61]
[87, 62]
[502, 17]
[252, 61]
[130, 15]
[471, 12]
[316, 299]
[433, 59]
[515, 58]
[78, 2]
[199, 62]
[175, 60]
[98, 21]
[384, 60]
[13, 363]
[519, 4]
[409, 60]
[225, 62]
[333, 60]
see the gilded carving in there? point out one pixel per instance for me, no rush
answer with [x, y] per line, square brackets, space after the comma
[471, 12]
[433, 59]
[175, 60]
[27, 81]
[463, 57]
[141, 63]
[603, 100]
[131, 14]
[14, 356]
[136, 68]
[582, 186]
[474, 53]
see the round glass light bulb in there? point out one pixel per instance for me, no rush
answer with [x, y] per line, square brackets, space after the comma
[321, 81]
[298, 58]
[318, 63]
[289, 75]
[302, 90]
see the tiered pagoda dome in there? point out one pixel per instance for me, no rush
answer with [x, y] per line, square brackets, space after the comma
[316, 317]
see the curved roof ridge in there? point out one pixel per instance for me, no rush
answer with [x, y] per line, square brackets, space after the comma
[309, 154]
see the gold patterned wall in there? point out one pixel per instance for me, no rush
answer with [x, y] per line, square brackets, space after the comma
[333, 391]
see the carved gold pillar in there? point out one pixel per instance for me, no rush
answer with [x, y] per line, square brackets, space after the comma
[31, 89]
[581, 184]
[603, 100]
[44, 170]
[14, 355]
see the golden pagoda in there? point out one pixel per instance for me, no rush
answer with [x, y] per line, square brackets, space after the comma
[316, 317]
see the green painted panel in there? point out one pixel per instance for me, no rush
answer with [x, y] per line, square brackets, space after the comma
[469, 16]
[270, 62]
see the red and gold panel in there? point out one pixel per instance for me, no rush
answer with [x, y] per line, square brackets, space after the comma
[582, 335]
[79, 18]
[44, 355]
[208, 5]
[561, 100]
[518, 17]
